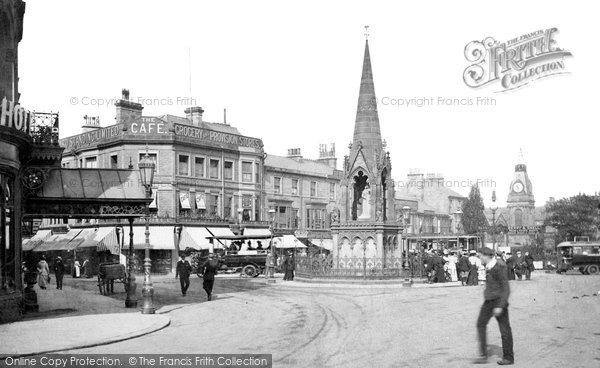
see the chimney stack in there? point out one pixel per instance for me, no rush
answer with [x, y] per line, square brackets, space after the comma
[194, 114]
[295, 153]
[90, 123]
[327, 155]
[127, 111]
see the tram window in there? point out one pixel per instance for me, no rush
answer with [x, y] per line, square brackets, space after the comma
[577, 250]
[595, 250]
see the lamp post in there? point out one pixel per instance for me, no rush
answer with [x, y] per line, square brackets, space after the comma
[456, 214]
[146, 167]
[494, 208]
[272, 248]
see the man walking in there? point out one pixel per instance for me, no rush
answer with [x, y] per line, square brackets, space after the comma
[528, 265]
[496, 304]
[208, 271]
[183, 270]
[59, 272]
[520, 265]
[510, 265]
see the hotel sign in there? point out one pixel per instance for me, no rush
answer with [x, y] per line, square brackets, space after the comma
[15, 117]
[206, 135]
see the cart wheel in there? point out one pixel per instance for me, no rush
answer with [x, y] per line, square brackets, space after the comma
[593, 269]
[250, 271]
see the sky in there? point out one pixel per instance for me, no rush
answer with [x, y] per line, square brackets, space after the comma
[289, 73]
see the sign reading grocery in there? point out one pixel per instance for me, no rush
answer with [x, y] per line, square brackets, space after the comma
[15, 117]
[216, 137]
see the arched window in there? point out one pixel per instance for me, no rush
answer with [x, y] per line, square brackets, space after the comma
[518, 217]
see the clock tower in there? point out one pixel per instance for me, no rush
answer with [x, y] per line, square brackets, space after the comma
[520, 202]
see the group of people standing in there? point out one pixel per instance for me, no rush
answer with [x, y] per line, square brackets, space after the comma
[455, 265]
[518, 265]
[43, 272]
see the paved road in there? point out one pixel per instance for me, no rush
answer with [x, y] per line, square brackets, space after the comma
[554, 318]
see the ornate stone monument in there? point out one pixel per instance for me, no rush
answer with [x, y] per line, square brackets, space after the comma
[366, 230]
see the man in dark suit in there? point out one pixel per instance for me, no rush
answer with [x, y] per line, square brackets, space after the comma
[183, 270]
[208, 271]
[511, 261]
[496, 304]
[528, 265]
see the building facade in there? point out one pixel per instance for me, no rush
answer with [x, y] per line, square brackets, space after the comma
[303, 193]
[520, 222]
[203, 170]
[431, 212]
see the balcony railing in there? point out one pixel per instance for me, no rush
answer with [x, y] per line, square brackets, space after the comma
[44, 128]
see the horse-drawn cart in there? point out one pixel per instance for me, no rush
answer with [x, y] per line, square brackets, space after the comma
[109, 272]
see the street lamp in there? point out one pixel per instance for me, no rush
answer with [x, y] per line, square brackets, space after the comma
[146, 167]
[494, 208]
[272, 248]
[456, 214]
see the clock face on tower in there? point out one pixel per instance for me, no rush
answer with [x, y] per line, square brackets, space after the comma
[518, 187]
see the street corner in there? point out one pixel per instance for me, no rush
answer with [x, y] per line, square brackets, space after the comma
[17, 337]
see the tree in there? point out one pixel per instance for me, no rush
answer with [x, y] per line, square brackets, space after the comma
[473, 219]
[574, 216]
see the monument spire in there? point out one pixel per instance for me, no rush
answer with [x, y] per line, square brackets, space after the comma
[366, 126]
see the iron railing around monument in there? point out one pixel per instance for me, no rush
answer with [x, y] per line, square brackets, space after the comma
[316, 266]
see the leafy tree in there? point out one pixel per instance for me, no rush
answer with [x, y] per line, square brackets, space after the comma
[473, 219]
[574, 216]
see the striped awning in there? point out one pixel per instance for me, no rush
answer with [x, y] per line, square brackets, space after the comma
[101, 238]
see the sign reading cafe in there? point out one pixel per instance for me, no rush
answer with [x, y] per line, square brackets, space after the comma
[516, 62]
[14, 116]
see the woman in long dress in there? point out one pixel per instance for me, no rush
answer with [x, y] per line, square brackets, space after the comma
[76, 269]
[451, 264]
[43, 273]
[474, 269]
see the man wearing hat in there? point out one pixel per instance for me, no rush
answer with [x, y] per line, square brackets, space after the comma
[495, 304]
[209, 270]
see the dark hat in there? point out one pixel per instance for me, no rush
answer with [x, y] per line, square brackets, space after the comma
[486, 251]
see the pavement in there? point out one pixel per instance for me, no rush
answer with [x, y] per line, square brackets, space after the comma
[72, 318]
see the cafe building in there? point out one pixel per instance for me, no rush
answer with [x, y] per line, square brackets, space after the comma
[208, 180]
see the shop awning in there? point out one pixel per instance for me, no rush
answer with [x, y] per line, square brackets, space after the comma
[101, 238]
[59, 242]
[287, 241]
[323, 243]
[161, 237]
[196, 238]
[218, 232]
[249, 231]
[36, 240]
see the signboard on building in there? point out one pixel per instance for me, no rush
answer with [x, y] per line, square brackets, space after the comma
[15, 117]
[206, 135]
[92, 137]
